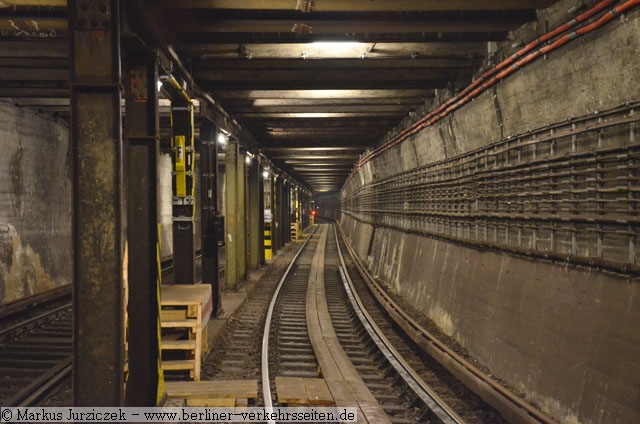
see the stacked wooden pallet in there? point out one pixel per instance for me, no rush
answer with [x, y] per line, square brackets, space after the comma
[296, 230]
[185, 311]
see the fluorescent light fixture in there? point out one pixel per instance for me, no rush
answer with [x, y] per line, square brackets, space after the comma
[222, 138]
[336, 49]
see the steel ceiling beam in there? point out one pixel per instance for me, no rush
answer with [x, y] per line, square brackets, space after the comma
[324, 93]
[207, 23]
[363, 5]
[336, 64]
[293, 50]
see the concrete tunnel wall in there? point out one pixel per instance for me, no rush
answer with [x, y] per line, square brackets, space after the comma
[566, 337]
[36, 251]
[35, 192]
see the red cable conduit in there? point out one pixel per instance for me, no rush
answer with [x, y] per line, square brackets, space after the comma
[492, 76]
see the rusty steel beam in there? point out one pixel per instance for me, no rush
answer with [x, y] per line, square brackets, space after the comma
[321, 27]
[37, 48]
[363, 5]
[142, 206]
[212, 227]
[232, 204]
[241, 193]
[98, 221]
[325, 93]
[329, 65]
[347, 84]
[49, 3]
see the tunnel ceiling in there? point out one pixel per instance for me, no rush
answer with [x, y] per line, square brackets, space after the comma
[315, 82]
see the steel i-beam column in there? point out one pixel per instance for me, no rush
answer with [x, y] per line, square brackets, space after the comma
[184, 250]
[303, 209]
[273, 182]
[211, 221]
[253, 212]
[145, 375]
[269, 221]
[261, 226]
[98, 221]
[287, 215]
[232, 216]
[242, 209]
[278, 213]
[284, 219]
[306, 210]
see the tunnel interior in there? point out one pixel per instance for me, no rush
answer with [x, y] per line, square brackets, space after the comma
[482, 158]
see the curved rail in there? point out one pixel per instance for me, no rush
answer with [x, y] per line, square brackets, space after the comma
[512, 407]
[427, 395]
[266, 385]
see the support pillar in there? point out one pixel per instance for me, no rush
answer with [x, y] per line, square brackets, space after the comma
[278, 214]
[287, 212]
[275, 210]
[184, 250]
[232, 216]
[99, 240]
[253, 212]
[242, 218]
[145, 374]
[212, 225]
[306, 210]
[303, 209]
[261, 210]
[269, 222]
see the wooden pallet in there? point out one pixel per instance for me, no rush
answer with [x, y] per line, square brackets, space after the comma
[185, 311]
[217, 393]
[296, 230]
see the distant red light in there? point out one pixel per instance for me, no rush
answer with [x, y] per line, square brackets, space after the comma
[313, 213]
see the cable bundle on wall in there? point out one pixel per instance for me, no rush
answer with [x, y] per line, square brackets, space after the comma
[516, 61]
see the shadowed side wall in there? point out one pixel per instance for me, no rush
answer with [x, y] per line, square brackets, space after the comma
[35, 194]
[468, 249]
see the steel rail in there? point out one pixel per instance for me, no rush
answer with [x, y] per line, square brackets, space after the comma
[496, 395]
[38, 388]
[28, 321]
[33, 392]
[266, 385]
[428, 396]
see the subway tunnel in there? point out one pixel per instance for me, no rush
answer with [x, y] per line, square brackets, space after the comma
[480, 157]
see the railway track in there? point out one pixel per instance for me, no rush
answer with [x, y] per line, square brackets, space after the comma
[479, 397]
[290, 347]
[36, 351]
[35, 356]
[269, 337]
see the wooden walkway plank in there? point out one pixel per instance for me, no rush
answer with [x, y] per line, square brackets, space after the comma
[291, 390]
[318, 392]
[212, 402]
[212, 389]
[343, 380]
